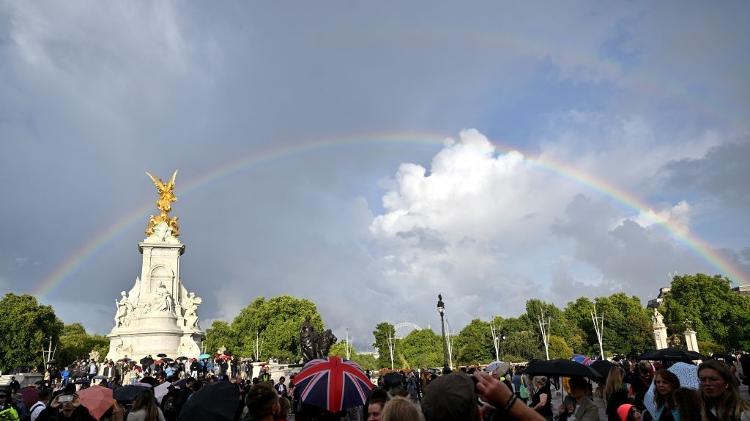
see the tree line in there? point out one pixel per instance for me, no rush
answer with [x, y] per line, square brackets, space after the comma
[269, 328]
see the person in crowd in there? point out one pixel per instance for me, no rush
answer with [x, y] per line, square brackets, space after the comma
[401, 409]
[453, 396]
[67, 406]
[145, 408]
[615, 393]
[639, 380]
[8, 411]
[262, 403]
[567, 408]
[628, 412]
[585, 408]
[375, 403]
[40, 405]
[688, 403]
[519, 385]
[285, 407]
[720, 393]
[281, 388]
[541, 401]
[665, 383]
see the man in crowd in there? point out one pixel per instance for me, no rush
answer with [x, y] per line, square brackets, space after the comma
[281, 388]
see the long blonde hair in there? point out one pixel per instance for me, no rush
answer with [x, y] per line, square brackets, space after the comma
[614, 383]
[401, 409]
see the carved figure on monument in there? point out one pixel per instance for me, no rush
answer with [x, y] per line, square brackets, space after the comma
[307, 340]
[164, 204]
[657, 318]
[163, 300]
[675, 341]
[191, 310]
[124, 310]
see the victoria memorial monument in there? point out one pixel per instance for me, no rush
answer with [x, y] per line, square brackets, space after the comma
[158, 314]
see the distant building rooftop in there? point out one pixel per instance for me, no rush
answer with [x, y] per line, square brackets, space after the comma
[656, 302]
[742, 290]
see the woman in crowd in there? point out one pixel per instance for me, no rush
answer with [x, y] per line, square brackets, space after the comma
[541, 402]
[665, 383]
[688, 403]
[628, 412]
[720, 393]
[145, 408]
[615, 393]
[401, 409]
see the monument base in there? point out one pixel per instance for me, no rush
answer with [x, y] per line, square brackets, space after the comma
[156, 334]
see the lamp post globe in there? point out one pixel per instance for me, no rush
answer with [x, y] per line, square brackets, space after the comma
[441, 310]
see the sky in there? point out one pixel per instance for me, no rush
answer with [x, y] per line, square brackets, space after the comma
[370, 155]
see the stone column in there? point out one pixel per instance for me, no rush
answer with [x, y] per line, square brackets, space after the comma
[691, 342]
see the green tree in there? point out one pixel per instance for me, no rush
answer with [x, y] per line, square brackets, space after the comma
[558, 348]
[220, 335]
[627, 325]
[25, 328]
[717, 313]
[421, 348]
[474, 344]
[276, 322]
[521, 346]
[382, 332]
[558, 324]
[366, 361]
[76, 343]
[578, 313]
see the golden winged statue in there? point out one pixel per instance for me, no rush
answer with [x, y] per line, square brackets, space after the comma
[164, 204]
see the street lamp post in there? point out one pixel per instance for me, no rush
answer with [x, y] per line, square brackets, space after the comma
[441, 310]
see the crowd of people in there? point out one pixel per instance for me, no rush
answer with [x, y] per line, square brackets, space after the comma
[471, 394]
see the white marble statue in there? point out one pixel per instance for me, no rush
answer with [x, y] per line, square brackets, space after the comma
[163, 300]
[124, 310]
[191, 310]
[657, 318]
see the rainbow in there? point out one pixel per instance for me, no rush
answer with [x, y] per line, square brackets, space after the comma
[627, 199]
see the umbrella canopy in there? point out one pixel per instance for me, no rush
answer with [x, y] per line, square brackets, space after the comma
[579, 358]
[166, 360]
[30, 395]
[124, 360]
[161, 390]
[146, 361]
[182, 358]
[215, 402]
[671, 354]
[333, 384]
[128, 393]
[497, 367]
[723, 356]
[686, 373]
[96, 399]
[161, 355]
[566, 368]
[602, 367]
[204, 356]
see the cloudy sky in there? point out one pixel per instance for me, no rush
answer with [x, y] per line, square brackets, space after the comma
[370, 155]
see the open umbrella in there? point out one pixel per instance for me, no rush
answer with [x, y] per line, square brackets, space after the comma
[671, 354]
[497, 367]
[333, 384]
[686, 373]
[166, 360]
[146, 361]
[30, 395]
[182, 358]
[565, 368]
[161, 355]
[723, 356]
[204, 356]
[124, 360]
[97, 399]
[216, 402]
[602, 367]
[128, 393]
[580, 358]
[161, 390]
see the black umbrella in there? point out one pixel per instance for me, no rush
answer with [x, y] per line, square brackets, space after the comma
[671, 354]
[723, 356]
[215, 402]
[602, 367]
[565, 368]
[127, 393]
[147, 361]
[161, 355]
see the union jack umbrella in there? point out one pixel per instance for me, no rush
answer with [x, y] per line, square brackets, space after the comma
[333, 384]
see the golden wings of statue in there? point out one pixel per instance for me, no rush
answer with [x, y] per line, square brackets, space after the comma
[164, 204]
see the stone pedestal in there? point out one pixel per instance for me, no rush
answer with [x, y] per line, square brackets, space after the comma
[158, 314]
[691, 342]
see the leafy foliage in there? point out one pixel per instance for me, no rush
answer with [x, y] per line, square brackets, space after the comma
[25, 328]
[717, 313]
[421, 348]
[474, 344]
[382, 332]
[220, 335]
[76, 343]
